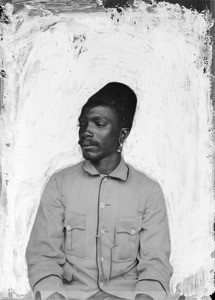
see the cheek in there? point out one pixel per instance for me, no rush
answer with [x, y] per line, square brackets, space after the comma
[112, 141]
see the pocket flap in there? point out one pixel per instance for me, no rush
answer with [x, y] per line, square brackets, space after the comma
[74, 221]
[129, 225]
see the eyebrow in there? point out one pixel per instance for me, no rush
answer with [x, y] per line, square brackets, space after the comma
[94, 118]
[99, 118]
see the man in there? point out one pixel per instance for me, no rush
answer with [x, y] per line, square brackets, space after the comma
[101, 230]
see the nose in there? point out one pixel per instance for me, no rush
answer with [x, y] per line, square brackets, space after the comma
[87, 131]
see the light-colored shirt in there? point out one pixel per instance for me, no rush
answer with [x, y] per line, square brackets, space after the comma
[100, 232]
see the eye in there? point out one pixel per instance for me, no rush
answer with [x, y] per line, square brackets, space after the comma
[82, 125]
[99, 123]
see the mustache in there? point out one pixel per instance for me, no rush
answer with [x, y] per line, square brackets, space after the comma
[87, 142]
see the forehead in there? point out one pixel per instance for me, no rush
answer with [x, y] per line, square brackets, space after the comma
[100, 111]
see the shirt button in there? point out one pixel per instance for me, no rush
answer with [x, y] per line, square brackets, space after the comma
[133, 231]
[102, 258]
[68, 227]
[102, 283]
[102, 231]
[105, 179]
[102, 205]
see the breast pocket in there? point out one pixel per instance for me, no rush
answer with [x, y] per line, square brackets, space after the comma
[127, 238]
[75, 234]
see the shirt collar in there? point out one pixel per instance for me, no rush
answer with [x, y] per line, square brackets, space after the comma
[121, 171]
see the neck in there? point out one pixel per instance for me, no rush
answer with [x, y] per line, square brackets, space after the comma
[107, 164]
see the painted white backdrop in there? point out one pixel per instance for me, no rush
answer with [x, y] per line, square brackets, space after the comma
[53, 64]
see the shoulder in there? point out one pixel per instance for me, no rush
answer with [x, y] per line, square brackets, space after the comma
[140, 175]
[143, 180]
[148, 187]
[69, 170]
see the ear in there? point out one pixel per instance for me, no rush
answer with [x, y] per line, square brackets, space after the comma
[124, 132]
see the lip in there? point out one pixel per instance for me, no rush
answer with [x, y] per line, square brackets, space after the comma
[87, 143]
[87, 146]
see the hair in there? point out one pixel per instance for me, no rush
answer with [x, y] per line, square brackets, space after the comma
[117, 96]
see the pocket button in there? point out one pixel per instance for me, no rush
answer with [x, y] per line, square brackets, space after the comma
[133, 231]
[68, 227]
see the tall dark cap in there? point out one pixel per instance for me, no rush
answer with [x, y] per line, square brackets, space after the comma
[118, 96]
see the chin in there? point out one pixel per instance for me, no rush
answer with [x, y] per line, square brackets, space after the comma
[90, 156]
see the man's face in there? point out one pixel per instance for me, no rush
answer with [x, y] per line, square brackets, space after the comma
[99, 132]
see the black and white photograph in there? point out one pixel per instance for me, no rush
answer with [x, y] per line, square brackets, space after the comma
[107, 150]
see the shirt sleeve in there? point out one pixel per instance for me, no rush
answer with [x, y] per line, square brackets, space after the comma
[154, 268]
[44, 253]
[44, 288]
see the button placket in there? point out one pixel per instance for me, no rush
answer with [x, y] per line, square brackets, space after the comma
[101, 204]
[104, 180]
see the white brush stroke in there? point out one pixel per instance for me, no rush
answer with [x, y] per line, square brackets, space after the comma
[54, 64]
